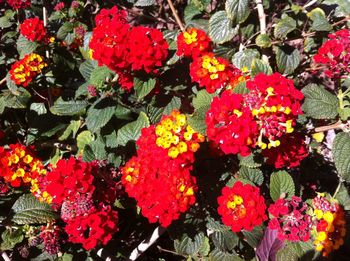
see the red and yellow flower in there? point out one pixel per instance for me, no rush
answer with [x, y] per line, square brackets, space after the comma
[242, 207]
[19, 167]
[193, 42]
[330, 224]
[24, 71]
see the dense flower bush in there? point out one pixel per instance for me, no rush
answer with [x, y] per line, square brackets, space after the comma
[174, 130]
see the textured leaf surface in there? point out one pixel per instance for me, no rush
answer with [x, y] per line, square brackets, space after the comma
[220, 27]
[319, 103]
[281, 182]
[288, 59]
[237, 10]
[29, 210]
[68, 108]
[341, 154]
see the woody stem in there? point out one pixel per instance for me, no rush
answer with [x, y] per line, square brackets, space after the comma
[177, 18]
[337, 125]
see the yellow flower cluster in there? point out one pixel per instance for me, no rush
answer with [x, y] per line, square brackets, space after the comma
[173, 133]
[213, 66]
[190, 36]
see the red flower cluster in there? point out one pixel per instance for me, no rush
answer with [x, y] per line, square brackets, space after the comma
[290, 219]
[67, 187]
[193, 42]
[329, 223]
[24, 71]
[242, 207]
[334, 54]
[84, 192]
[19, 166]
[159, 176]
[95, 227]
[213, 72]
[121, 47]
[59, 6]
[18, 4]
[33, 29]
[237, 123]
[289, 154]
[230, 125]
[275, 103]
[50, 236]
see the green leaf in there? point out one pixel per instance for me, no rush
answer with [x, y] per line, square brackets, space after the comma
[142, 88]
[244, 59]
[249, 161]
[84, 138]
[263, 41]
[192, 247]
[18, 100]
[29, 210]
[254, 175]
[287, 58]
[68, 108]
[202, 99]
[5, 22]
[64, 30]
[237, 10]
[216, 226]
[284, 27]
[281, 183]
[174, 104]
[241, 88]
[259, 66]
[111, 140]
[319, 20]
[100, 113]
[319, 103]
[254, 237]
[197, 120]
[218, 255]
[2, 105]
[225, 240]
[220, 28]
[190, 11]
[294, 251]
[86, 68]
[341, 155]
[342, 7]
[132, 130]
[343, 197]
[24, 46]
[142, 3]
[10, 238]
[38, 107]
[72, 128]
[99, 75]
[98, 148]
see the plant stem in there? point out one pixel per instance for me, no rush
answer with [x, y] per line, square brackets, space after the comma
[337, 125]
[5, 256]
[3, 81]
[177, 18]
[337, 189]
[169, 251]
[262, 21]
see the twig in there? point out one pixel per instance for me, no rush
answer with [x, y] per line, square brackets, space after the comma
[262, 21]
[45, 19]
[2, 81]
[337, 125]
[169, 251]
[5, 256]
[337, 189]
[177, 18]
[145, 244]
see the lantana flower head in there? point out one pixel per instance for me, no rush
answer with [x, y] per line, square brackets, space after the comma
[69, 179]
[231, 125]
[18, 4]
[25, 70]
[290, 153]
[193, 42]
[19, 166]
[148, 48]
[242, 207]
[33, 29]
[334, 54]
[212, 72]
[275, 104]
[329, 224]
[95, 228]
[291, 220]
